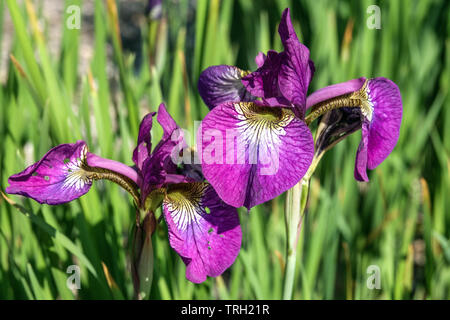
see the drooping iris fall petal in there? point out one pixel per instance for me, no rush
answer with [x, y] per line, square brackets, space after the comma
[251, 154]
[203, 230]
[380, 117]
[383, 120]
[219, 84]
[57, 178]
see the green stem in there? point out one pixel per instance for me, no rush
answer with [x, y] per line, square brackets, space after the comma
[295, 207]
[296, 199]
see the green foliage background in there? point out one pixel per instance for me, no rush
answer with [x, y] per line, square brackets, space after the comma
[400, 221]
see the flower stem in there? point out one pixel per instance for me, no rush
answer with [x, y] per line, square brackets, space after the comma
[295, 206]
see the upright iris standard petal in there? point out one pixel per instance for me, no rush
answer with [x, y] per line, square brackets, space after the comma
[144, 142]
[219, 84]
[251, 154]
[160, 163]
[203, 230]
[382, 120]
[57, 178]
[171, 143]
[282, 79]
[296, 69]
[264, 81]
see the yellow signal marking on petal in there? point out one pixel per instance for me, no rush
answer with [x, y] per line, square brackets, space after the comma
[261, 125]
[366, 104]
[184, 202]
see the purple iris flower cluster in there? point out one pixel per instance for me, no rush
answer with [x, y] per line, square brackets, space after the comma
[266, 113]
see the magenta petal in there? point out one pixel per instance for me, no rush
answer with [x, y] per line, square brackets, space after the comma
[144, 142]
[384, 129]
[203, 230]
[171, 143]
[252, 154]
[260, 58]
[218, 84]
[57, 178]
[333, 91]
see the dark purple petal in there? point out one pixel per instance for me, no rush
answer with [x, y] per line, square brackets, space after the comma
[57, 178]
[264, 81]
[252, 154]
[219, 84]
[282, 79]
[171, 143]
[384, 130]
[296, 69]
[160, 164]
[203, 230]
[144, 142]
[333, 91]
[285, 28]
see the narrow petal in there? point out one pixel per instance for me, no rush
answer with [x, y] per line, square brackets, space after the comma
[252, 154]
[203, 230]
[144, 142]
[219, 84]
[172, 141]
[296, 69]
[385, 99]
[285, 28]
[333, 91]
[57, 178]
[160, 164]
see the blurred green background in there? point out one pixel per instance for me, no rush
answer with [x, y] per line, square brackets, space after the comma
[61, 85]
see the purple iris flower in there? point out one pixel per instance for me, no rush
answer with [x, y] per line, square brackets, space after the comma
[252, 151]
[378, 112]
[203, 230]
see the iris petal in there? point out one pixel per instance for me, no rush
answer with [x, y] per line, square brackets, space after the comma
[144, 142]
[57, 178]
[384, 129]
[203, 230]
[251, 154]
[219, 84]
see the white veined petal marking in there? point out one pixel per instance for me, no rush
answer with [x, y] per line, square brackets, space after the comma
[76, 176]
[262, 126]
[184, 203]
